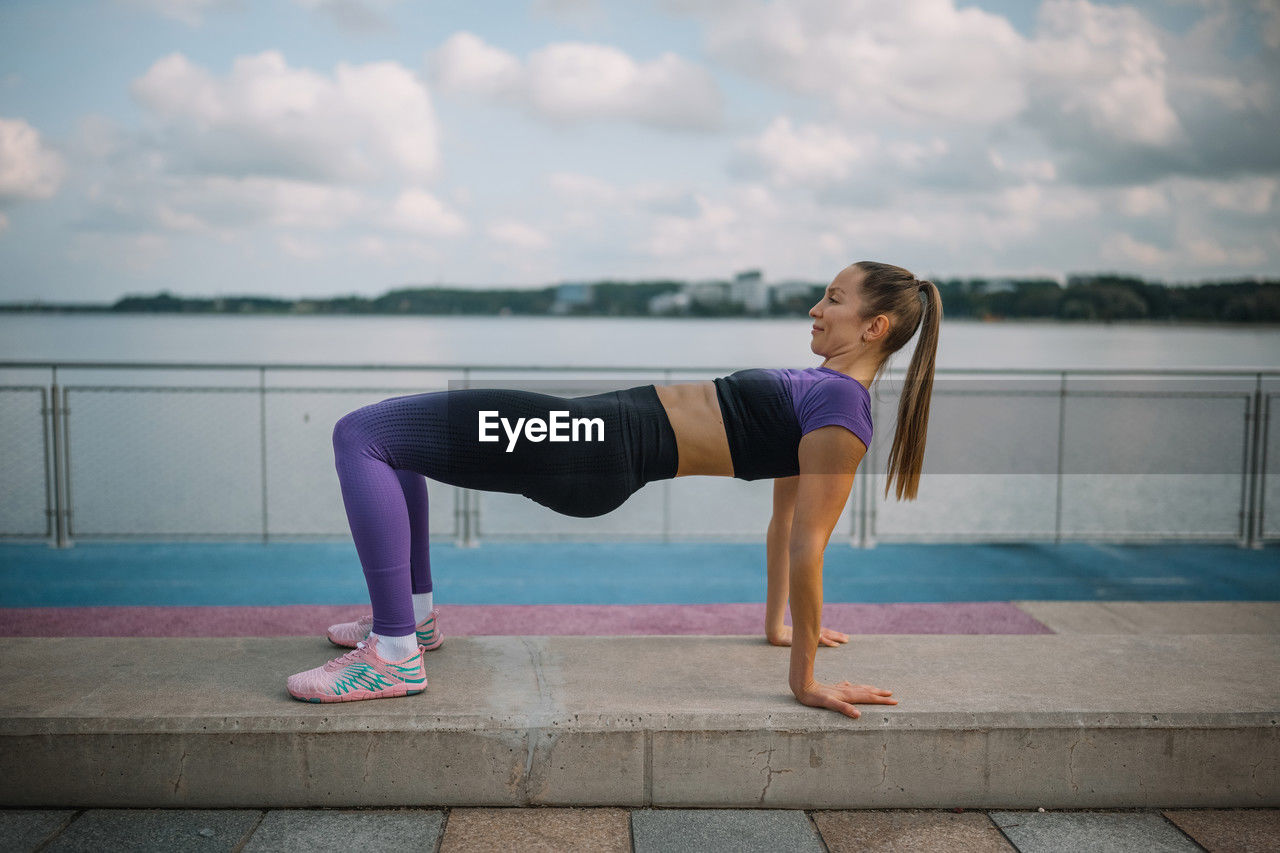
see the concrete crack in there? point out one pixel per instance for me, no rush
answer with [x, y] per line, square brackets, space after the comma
[532, 734]
[367, 750]
[535, 659]
[182, 769]
[1071, 767]
[769, 771]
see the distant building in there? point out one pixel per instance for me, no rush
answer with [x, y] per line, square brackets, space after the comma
[748, 289]
[784, 291]
[708, 292]
[571, 295]
[675, 301]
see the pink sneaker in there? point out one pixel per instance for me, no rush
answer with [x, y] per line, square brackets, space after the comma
[347, 634]
[360, 674]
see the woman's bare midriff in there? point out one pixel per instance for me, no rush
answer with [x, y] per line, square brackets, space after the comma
[694, 412]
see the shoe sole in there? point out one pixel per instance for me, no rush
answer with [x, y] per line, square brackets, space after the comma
[358, 695]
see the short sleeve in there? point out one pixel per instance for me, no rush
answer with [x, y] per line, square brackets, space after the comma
[837, 402]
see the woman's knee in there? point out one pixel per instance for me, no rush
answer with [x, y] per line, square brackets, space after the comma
[352, 432]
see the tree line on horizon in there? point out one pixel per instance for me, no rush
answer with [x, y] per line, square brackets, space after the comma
[1088, 298]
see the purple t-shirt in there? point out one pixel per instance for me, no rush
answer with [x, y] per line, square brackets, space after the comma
[822, 397]
[767, 411]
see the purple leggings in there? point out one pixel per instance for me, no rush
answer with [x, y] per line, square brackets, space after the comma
[385, 452]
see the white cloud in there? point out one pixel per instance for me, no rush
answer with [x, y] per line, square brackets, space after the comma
[1252, 195]
[1091, 76]
[909, 60]
[1102, 69]
[807, 155]
[29, 169]
[466, 64]
[421, 213]
[1027, 169]
[365, 122]
[1195, 252]
[519, 235]
[1143, 201]
[220, 206]
[582, 187]
[578, 81]
[300, 248]
[1270, 10]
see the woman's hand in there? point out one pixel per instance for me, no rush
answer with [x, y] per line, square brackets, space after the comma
[826, 637]
[840, 697]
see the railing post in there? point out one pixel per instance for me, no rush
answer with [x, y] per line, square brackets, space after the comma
[62, 475]
[469, 509]
[869, 510]
[262, 429]
[864, 491]
[1062, 427]
[59, 500]
[1251, 525]
[1262, 470]
[666, 485]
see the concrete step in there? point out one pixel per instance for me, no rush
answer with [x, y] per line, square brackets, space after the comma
[1009, 721]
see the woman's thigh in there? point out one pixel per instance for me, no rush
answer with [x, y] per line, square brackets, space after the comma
[570, 454]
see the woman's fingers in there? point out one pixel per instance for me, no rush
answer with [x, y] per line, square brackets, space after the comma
[865, 694]
[829, 637]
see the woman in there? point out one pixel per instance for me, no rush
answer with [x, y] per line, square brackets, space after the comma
[584, 456]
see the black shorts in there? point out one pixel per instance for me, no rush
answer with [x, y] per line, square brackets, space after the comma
[621, 440]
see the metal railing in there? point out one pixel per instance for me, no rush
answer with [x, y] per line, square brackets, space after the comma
[253, 462]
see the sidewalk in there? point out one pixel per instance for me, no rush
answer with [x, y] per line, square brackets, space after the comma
[1149, 720]
[604, 830]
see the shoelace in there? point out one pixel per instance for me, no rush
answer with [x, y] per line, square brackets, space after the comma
[351, 656]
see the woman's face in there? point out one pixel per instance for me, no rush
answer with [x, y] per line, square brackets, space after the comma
[837, 328]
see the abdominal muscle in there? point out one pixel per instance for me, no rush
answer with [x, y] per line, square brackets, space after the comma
[694, 412]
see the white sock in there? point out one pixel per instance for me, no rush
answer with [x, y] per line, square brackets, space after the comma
[396, 649]
[421, 606]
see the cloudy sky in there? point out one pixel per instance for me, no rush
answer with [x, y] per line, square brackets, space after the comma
[324, 147]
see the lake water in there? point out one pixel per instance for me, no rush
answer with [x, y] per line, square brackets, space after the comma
[617, 342]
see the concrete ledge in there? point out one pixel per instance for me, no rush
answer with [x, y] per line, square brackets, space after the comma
[1059, 721]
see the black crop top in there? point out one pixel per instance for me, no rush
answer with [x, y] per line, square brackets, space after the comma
[767, 411]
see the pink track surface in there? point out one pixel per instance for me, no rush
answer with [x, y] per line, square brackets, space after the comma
[460, 620]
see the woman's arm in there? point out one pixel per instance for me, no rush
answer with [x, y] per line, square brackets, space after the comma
[778, 560]
[777, 546]
[829, 456]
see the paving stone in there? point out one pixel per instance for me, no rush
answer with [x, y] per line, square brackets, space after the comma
[160, 830]
[909, 830]
[27, 829]
[537, 830]
[1230, 830]
[319, 830]
[1097, 832]
[727, 830]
